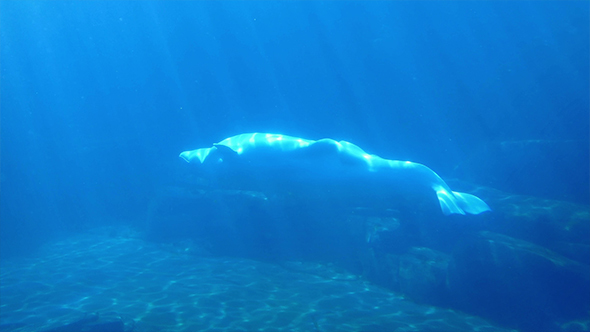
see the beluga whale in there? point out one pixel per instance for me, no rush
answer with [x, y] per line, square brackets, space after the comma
[326, 169]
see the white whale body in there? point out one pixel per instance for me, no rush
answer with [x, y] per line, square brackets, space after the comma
[328, 165]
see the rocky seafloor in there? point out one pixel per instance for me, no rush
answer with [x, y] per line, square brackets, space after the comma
[525, 265]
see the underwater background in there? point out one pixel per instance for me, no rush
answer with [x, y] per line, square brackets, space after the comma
[103, 226]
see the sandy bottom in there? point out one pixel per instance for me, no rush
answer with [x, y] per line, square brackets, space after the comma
[150, 288]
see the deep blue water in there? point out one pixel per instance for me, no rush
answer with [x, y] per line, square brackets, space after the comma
[98, 98]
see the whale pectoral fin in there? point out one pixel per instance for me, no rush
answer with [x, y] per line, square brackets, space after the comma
[453, 202]
[225, 152]
[198, 155]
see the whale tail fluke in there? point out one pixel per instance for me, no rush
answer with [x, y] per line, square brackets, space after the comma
[453, 202]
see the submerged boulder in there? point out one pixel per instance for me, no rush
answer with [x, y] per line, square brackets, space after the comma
[563, 227]
[420, 274]
[498, 276]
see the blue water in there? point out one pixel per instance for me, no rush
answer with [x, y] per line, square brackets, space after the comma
[98, 98]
